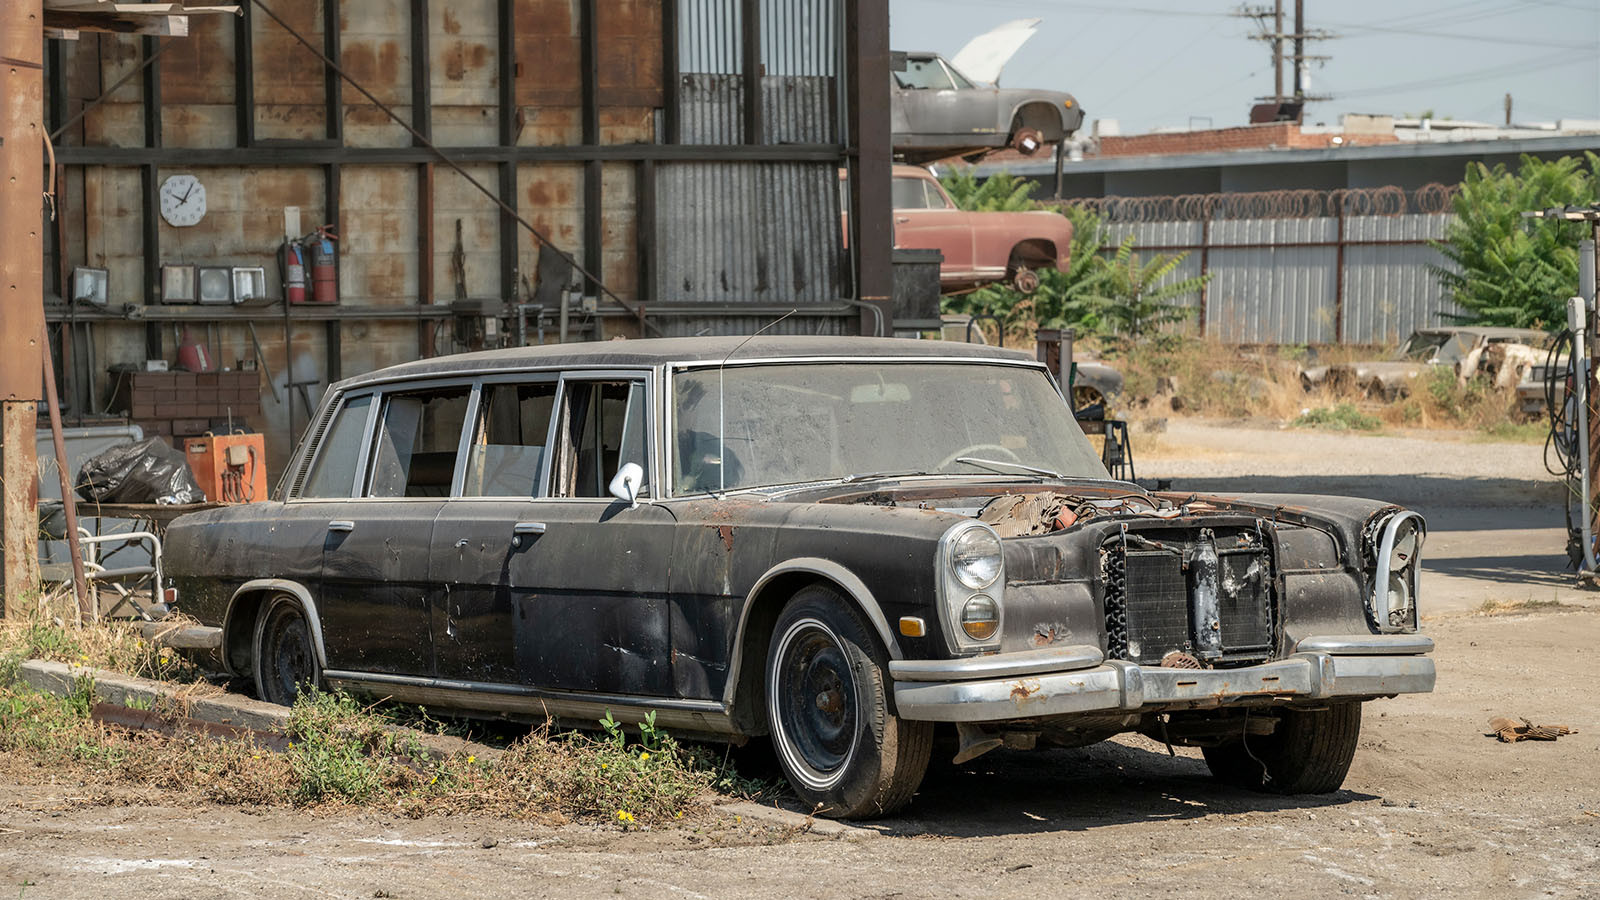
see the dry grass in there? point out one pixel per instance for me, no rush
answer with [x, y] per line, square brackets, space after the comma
[1169, 375]
[1519, 607]
[339, 752]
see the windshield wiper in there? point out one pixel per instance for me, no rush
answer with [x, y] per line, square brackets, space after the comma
[868, 476]
[994, 465]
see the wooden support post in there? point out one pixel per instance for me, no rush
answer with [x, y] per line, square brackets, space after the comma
[21, 290]
[867, 103]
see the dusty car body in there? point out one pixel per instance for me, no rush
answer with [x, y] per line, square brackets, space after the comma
[936, 112]
[1504, 354]
[843, 543]
[979, 247]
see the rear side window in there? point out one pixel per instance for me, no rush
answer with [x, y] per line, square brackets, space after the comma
[908, 194]
[419, 434]
[509, 444]
[604, 426]
[333, 474]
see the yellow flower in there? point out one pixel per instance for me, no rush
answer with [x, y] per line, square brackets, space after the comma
[434, 780]
[624, 816]
[644, 756]
[471, 758]
[604, 766]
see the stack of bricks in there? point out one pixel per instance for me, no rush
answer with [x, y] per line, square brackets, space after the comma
[177, 405]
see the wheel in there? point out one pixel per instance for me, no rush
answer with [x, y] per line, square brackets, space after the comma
[843, 749]
[1025, 280]
[1027, 141]
[1308, 753]
[285, 657]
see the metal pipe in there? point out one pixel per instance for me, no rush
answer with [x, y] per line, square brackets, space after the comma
[69, 504]
[1578, 312]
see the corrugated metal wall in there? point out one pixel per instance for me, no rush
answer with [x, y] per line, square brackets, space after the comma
[1323, 279]
[761, 233]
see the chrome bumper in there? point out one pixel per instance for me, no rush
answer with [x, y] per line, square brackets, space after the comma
[1355, 666]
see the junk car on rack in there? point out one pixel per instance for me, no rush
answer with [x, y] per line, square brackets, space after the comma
[847, 544]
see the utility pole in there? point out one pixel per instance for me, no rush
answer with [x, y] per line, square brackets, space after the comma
[1297, 57]
[21, 291]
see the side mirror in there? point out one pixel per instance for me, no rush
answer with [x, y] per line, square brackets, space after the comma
[625, 486]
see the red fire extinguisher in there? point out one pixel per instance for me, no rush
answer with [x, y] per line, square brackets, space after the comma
[324, 278]
[294, 272]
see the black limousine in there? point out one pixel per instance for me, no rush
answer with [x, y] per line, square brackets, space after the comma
[848, 544]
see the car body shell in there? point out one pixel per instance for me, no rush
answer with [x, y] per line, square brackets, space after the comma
[967, 117]
[576, 607]
[978, 247]
[1504, 354]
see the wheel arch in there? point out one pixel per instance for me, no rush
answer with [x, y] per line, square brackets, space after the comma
[743, 694]
[238, 624]
[1036, 253]
[1041, 115]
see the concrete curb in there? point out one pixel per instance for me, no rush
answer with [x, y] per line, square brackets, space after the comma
[788, 818]
[60, 679]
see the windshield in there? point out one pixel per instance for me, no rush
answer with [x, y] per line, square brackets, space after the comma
[797, 422]
[1425, 346]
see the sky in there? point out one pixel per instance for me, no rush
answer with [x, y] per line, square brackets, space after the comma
[1183, 63]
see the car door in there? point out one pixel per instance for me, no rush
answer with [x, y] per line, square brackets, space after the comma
[481, 560]
[566, 589]
[375, 594]
[925, 218]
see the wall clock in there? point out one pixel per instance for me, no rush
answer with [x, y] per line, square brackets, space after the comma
[183, 200]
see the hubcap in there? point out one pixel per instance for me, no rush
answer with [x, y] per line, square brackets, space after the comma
[290, 659]
[813, 696]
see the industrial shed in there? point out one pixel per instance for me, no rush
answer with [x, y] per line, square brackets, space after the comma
[682, 153]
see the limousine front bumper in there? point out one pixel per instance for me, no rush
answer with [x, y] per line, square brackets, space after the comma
[1067, 680]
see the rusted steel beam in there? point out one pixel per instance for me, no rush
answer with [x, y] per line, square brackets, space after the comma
[69, 501]
[506, 61]
[316, 153]
[750, 67]
[21, 289]
[333, 85]
[867, 112]
[669, 72]
[244, 79]
[421, 86]
[593, 229]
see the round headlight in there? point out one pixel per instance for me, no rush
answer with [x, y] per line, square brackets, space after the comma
[975, 557]
[980, 618]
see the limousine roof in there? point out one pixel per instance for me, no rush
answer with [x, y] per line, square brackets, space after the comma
[659, 351]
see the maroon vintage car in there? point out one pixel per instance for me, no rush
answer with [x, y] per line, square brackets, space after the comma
[979, 247]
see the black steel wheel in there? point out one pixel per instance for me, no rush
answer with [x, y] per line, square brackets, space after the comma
[285, 655]
[1309, 752]
[828, 708]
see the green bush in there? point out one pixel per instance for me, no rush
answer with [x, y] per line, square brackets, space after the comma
[1343, 417]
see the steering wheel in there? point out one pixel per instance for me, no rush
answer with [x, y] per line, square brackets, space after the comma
[976, 449]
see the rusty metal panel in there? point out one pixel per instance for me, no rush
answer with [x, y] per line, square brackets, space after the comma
[463, 73]
[375, 48]
[756, 233]
[552, 201]
[119, 121]
[377, 251]
[454, 199]
[289, 87]
[197, 85]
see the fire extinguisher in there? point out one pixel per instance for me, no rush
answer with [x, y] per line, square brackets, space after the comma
[324, 279]
[294, 272]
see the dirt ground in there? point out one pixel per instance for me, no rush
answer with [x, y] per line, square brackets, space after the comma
[1432, 807]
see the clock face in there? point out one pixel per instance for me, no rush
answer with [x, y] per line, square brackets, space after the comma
[183, 200]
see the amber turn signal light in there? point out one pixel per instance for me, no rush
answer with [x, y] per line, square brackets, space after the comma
[911, 626]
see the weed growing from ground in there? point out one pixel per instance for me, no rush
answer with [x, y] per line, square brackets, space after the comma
[1344, 417]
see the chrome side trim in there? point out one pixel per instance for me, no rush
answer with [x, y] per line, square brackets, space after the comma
[998, 665]
[295, 589]
[1120, 685]
[1366, 644]
[702, 716]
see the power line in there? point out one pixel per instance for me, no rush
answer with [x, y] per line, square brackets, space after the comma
[1533, 64]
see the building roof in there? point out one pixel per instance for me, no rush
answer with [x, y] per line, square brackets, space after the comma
[1045, 166]
[660, 351]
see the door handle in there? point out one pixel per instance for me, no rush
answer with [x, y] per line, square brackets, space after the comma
[341, 525]
[902, 219]
[525, 528]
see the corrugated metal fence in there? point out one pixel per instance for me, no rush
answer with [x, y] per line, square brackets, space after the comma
[1301, 272]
